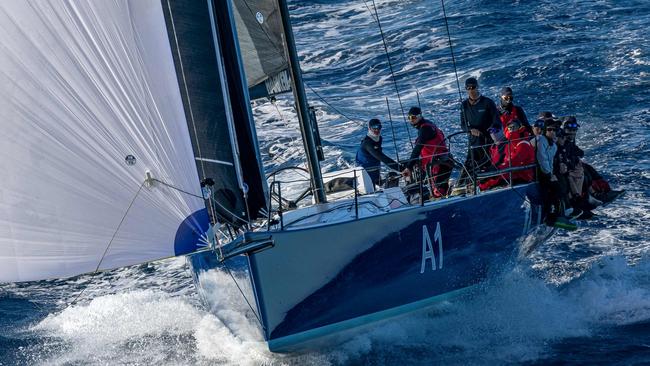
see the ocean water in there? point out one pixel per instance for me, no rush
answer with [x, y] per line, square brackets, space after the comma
[580, 298]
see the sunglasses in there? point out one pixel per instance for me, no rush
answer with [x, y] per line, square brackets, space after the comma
[551, 129]
[413, 116]
[375, 128]
[507, 97]
[571, 125]
[471, 87]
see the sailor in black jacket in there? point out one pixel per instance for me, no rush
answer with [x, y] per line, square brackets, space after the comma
[478, 113]
[370, 154]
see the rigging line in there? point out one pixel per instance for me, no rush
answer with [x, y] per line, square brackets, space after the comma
[277, 109]
[392, 73]
[248, 210]
[201, 197]
[111, 241]
[244, 296]
[355, 120]
[392, 130]
[274, 103]
[370, 11]
[189, 102]
[451, 49]
[470, 154]
[176, 188]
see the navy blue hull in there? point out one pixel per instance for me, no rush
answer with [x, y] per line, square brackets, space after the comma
[321, 280]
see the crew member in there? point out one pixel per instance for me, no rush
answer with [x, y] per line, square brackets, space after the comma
[511, 150]
[550, 189]
[508, 111]
[370, 154]
[478, 113]
[431, 152]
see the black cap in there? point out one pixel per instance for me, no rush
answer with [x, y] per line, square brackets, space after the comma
[374, 123]
[414, 111]
[471, 81]
[539, 123]
[506, 90]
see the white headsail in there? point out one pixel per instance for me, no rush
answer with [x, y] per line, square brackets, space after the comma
[89, 102]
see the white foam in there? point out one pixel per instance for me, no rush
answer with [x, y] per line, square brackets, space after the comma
[512, 318]
[613, 292]
[233, 335]
[127, 327]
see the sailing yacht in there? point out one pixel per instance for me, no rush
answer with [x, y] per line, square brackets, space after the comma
[128, 137]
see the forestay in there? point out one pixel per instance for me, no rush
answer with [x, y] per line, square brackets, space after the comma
[89, 102]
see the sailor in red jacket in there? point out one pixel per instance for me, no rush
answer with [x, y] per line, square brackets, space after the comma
[515, 151]
[431, 151]
[509, 112]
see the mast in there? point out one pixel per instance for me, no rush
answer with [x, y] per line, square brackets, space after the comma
[301, 105]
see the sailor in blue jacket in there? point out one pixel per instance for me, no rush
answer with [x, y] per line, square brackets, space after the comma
[370, 154]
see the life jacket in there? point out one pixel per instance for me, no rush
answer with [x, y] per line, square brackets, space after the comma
[517, 151]
[522, 153]
[506, 116]
[434, 148]
[498, 153]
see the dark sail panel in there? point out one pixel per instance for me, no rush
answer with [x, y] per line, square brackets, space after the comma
[261, 41]
[249, 155]
[190, 31]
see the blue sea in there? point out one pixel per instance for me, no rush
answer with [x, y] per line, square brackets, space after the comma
[582, 297]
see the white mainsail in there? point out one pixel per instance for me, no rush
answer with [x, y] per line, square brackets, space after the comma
[83, 85]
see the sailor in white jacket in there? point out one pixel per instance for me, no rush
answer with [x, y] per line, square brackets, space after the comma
[546, 149]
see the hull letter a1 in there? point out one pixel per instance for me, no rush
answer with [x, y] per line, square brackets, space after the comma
[427, 248]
